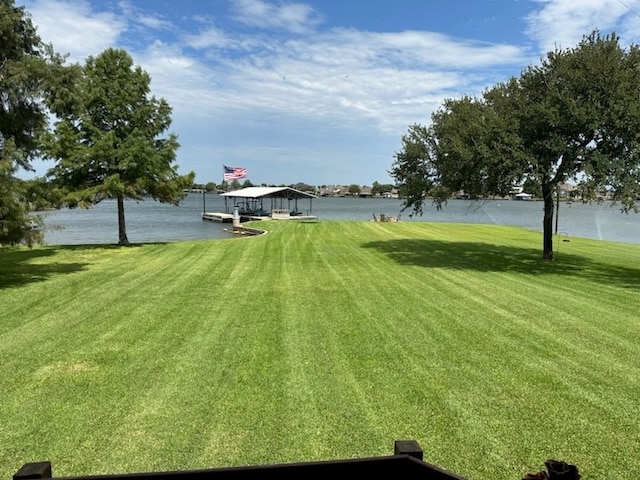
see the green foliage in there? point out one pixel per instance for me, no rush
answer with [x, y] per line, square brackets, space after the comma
[415, 168]
[304, 187]
[27, 70]
[576, 116]
[532, 186]
[354, 189]
[38, 195]
[16, 224]
[108, 140]
[22, 73]
[378, 188]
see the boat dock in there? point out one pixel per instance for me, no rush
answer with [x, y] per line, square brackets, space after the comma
[228, 217]
[248, 205]
[218, 217]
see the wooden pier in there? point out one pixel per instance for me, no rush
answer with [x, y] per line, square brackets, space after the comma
[218, 217]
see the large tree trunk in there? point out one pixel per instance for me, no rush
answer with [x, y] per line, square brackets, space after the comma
[547, 222]
[122, 228]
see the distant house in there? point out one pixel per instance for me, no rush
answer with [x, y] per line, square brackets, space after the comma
[566, 190]
[523, 196]
[365, 192]
[332, 191]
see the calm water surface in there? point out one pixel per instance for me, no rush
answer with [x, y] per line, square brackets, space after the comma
[151, 221]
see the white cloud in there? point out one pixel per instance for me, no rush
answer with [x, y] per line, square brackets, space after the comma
[294, 17]
[210, 38]
[74, 28]
[426, 49]
[563, 23]
[153, 22]
[385, 81]
[372, 69]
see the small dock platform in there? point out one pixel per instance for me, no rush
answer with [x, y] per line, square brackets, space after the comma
[304, 218]
[285, 214]
[218, 217]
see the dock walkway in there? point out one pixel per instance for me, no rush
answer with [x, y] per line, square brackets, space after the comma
[218, 217]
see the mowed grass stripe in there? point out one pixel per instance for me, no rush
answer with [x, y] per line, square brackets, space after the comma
[517, 308]
[490, 301]
[320, 341]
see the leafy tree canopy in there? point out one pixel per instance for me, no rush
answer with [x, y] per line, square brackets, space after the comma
[16, 225]
[378, 188]
[22, 72]
[108, 139]
[576, 116]
[29, 73]
[532, 187]
[304, 187]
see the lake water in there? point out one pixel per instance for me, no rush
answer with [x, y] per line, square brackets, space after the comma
[151, 221]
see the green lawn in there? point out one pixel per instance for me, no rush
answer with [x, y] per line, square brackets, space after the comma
[320, 341]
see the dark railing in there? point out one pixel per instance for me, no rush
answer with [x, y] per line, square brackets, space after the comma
[406, 463]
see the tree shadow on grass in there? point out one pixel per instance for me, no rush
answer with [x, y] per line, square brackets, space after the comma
[20, 266]
[484, 257]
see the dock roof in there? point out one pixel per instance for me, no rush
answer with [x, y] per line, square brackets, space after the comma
[268, 192]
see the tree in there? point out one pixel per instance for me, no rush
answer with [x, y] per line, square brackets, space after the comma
[108, 143]
[304, 187]
[38, 195]
[28, 68]
[532, 187]
[354, 189]
[576, 116]
[379, 189]
[16, 225]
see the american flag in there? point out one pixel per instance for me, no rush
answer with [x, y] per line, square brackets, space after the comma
[233, 173]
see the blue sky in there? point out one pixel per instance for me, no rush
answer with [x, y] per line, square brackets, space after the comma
[318, 91]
